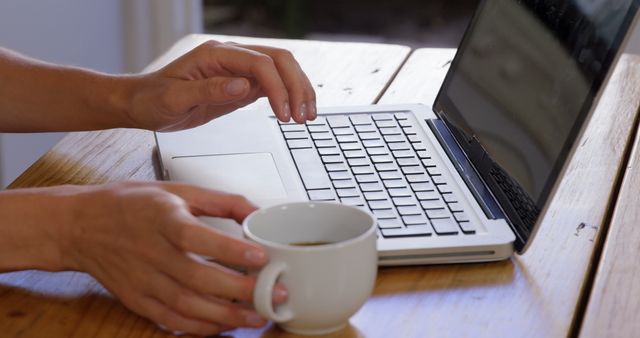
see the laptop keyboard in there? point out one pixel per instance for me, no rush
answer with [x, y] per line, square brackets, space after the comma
[379, 162]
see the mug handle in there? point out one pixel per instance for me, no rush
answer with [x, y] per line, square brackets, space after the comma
[262, 295]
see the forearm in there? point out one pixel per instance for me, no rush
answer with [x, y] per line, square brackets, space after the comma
[32, 228]
[37, 96]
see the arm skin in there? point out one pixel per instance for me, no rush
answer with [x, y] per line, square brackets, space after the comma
[143, 241]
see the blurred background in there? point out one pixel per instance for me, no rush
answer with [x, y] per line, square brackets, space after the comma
[122, 36]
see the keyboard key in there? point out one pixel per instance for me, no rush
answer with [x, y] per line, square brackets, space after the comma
[352, 192]
[437, 213]
[382, 117]
[424, 186]
[376, 196]
[369, 187]
[400, 146]
[326, 144]
[405, 162]
[320, 120]
[299, 144]
[343, 184]
[384, 214]
[308, 163]
[449, 198]
[445, 226]
[410, 131]
[347, 138]
[409, 210]
[358, 162]
[394, 138]
[373, 143]
[412, 170]
[413, 231]
[339, 121]
[391, 175]
[363, 170]
[403, 154]
[401, 116]
[293, 127]
[336, 167]
[365, 128]
[386, 124]
[405, 123]
[467, 227]
[461, 216]
[404, 201]
[332, 159]
[343, 131]
[322, 136]
[386, 167]
[389, 184]
[414, 220]
[322, 195]
[353, 201]
[369, 136]
[360, 119]
[455, 207]
[318, 129]
[377, 151]
[423, 154]
[328, 151]
[392, 223]
[419, 178]
[428, 162]
[340, 175]
[418, 146]
[355, 154]
[443, 188]
[381, 159]
[400, 192]
[428, 195]
[414, 138]
[432, 204]
[377, 205]
[296, 135]
[391, 131]
[350, 146]
[367, 178]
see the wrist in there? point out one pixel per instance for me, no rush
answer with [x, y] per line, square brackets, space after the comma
[112, 95]
[34, 229]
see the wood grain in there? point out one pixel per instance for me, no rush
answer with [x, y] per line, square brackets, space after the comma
[614, 301]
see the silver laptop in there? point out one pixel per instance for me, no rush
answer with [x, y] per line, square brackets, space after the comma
[466, 180]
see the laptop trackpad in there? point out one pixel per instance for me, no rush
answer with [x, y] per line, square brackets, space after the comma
[253, 175]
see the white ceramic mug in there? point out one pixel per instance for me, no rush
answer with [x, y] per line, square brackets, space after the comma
[327, 283]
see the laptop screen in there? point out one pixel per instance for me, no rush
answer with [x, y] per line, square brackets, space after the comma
[521, 86]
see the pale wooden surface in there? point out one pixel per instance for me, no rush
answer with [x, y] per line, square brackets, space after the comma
[614, 303]
[535, 295]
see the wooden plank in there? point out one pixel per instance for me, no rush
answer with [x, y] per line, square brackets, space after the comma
[72, 304]
[614, 301]
[537, 294]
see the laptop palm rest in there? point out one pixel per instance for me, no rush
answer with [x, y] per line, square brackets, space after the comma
[253, 175]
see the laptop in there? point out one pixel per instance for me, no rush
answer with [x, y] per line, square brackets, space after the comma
[466, 180]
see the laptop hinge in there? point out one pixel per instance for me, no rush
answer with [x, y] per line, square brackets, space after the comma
[466, 169]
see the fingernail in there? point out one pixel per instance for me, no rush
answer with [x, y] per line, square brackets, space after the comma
[235, 87]
[303, 111]
[313, 112]
[279, 294]
[255, 256]
[286, 112]
[254, 319]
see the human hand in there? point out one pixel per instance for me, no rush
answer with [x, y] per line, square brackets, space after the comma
[140, 240]
[217, 78]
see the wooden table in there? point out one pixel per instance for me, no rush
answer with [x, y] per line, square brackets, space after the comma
[541, 294]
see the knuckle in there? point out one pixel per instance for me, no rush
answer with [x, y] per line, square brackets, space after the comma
[264, 60]
[280, 53]
[181, 300]
[183, 237]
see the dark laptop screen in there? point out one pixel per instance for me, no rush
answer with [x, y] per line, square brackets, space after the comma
[522, 84]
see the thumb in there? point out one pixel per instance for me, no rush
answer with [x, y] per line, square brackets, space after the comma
[215, 90]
